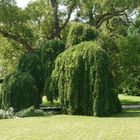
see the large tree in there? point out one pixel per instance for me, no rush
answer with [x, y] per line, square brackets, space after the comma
[46, 19]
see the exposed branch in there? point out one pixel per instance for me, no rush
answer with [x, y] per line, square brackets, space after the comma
[18, 39]
[108, 16]
[126, 16]
[71, 8]
[91, 19]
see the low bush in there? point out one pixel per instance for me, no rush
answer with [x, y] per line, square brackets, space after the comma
[9, 114]
[30, 112]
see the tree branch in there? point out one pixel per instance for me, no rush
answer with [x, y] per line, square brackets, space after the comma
[18, 39]
[108, 16]
[109, 28]
[127, 19]
[71, 8]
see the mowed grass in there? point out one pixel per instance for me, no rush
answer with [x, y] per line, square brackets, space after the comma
[125, 99]
[122, 126]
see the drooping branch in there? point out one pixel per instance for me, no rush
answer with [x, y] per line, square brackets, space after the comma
[17, 38]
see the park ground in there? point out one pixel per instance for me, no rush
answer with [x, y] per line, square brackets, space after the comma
[121, 126]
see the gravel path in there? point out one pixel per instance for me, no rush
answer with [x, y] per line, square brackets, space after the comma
[131, 106]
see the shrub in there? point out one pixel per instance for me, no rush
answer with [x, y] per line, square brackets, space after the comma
[54, 103]
[30, 112]
[49, 52]
[130, 86]
[82, 80]
[31, 63]
[9, 114]
[19, 91]
[81, 32]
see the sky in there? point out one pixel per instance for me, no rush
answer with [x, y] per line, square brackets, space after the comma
[22, 3]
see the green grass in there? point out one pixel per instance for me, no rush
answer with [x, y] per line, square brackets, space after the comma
[125, 99]
[122, 126]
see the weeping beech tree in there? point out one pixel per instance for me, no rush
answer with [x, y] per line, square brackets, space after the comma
[82, 80]
[31, 63]
[49, 51]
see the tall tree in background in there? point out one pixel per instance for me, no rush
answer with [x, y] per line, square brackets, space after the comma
[46, 19]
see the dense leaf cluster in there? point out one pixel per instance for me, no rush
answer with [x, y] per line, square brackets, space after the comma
[81, 32]
[31, 63]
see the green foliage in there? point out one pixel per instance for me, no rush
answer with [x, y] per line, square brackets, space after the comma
[30, 112]
[31, 63]
[129, 58]
[19, 91]
[39, 12]
[109, 44]
[49, 52]
[82, 80]
[137, 22]
[81, 32]
[9, 55]
[14, 21]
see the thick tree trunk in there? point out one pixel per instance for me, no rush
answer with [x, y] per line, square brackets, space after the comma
[56, 32]
[57, 27]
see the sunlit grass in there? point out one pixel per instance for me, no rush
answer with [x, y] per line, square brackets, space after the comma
[122, 126]
[125, 99]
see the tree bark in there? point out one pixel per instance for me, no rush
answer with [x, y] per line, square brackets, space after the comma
[56, 32]
[57, 27]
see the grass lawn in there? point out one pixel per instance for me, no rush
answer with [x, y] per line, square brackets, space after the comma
[125, 99]
[123, 126]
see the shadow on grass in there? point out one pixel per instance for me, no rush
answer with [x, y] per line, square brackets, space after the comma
[128, 113]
